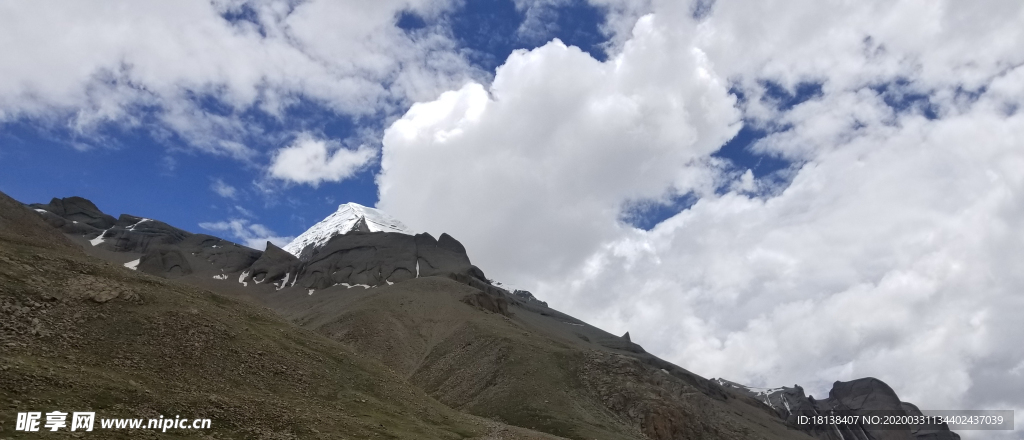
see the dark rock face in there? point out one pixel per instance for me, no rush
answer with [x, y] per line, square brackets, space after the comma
[860, 397]
[371, 259]
[273, 266]
[195, 252]
[78, 216]
[379, 258]
[442, 256]
[358, 257]
[66, 226]
[221, 254]
[165, 261]
[77, 209]
[361, 225]
[868, 394]
[136, 234]
[525, 295]
[166, 251]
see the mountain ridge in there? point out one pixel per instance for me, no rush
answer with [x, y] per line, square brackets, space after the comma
[515, 333]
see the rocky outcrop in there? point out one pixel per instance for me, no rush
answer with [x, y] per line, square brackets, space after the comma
[76, 210]
[361, 258]
[166, 251]
[193, 253]
[20, 224]
[165, 261]
[620, 343]
[860, 397]
[275, 265]
[80, 217]
[485, 301]
[380, 258]
[137, 234]
[662, 402]
[525, 295]
[362, 255]
[221, 254]
[443, 256]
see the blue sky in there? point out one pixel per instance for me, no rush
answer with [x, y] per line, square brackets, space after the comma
[773, 192]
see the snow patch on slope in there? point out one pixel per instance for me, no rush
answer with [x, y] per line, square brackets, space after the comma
[342, 221]
[99, 238]
[133, 265]
[141, 221]
[772, 397]
[284, 281]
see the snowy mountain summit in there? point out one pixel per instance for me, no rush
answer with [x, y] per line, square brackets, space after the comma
[349, 217]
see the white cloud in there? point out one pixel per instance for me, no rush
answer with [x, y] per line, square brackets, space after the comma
[253, 235]
[551, 151]
[223, 189]
[244, 212]
[311, 161]
[86, 65]
[891, 254]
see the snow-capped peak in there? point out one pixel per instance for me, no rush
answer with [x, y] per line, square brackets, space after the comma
[349, 216]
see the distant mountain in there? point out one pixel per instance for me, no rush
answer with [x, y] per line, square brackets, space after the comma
[337, 250]
[417, 307]
[145, 244]
[861, 397]
[80, 334]
[349, 217]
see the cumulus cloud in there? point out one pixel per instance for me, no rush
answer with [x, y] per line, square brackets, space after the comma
[890, 253]
[556, 145]
[153, 66]
[223, 189]
[253, 235]
[311, 161]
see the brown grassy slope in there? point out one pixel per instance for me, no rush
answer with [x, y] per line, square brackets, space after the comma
[19, 225]
[526, 369]
[78, 334]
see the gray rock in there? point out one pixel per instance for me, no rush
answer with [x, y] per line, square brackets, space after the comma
[485, 301]
[361, 225]
[273, 265]
[525, 295]
[379, 258]
[78, 209]
[166, 261]
[443, 256]
[166, 251]
[370, 258]
[136, 234]
[221, 254]
[862, 397]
